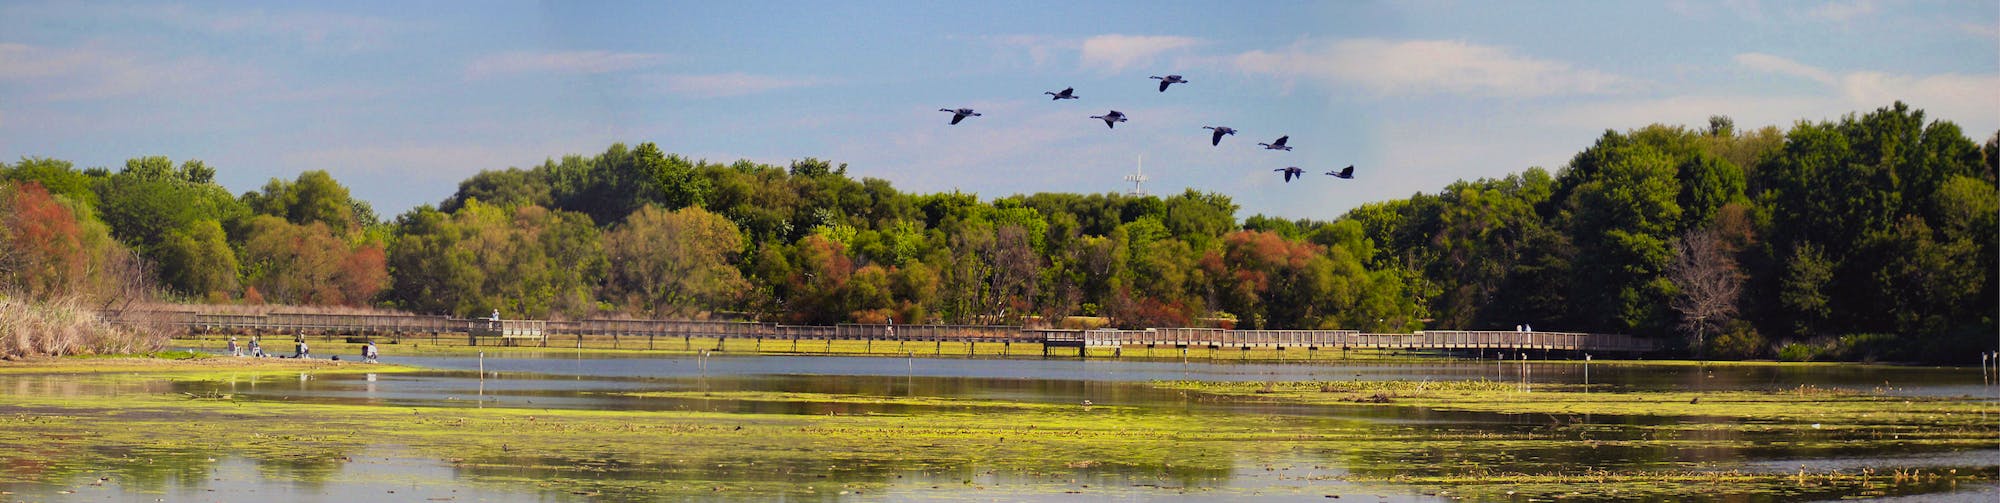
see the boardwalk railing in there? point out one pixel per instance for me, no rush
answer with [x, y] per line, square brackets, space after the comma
[404, 325]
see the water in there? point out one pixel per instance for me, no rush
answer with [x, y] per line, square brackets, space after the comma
[744, 385]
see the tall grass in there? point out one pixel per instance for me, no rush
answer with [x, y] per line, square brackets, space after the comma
[63, 326]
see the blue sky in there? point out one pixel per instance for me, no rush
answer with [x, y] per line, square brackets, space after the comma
[401, 100]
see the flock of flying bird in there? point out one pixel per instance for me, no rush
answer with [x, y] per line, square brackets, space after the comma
[1112, 118]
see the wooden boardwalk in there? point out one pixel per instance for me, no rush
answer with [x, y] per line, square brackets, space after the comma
[558, 332]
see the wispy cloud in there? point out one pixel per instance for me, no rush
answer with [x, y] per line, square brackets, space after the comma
[1415, 67]
[1774, 64]
[1041, 50]
[322, 30]
[318, 30]
[1955, 92]
[1981, 30]
[1842, 11]
[86, 73]
[1114, 53]
[1968, 100]
[728, 84]
[563, 62]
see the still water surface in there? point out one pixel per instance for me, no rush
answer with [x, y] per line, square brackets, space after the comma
[568, 381]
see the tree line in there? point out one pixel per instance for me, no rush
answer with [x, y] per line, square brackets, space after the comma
[1872, 236]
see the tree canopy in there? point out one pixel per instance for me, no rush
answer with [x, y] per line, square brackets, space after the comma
[1816, 240]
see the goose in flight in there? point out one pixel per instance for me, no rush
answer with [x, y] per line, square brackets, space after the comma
[1112, 119]
[959, 114]
[1347, 172]
[1278, 145]
[1068, 93]
[1169, 80]
[1291, 172]
[1219, 131]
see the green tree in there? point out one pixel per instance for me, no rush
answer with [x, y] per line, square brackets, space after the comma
[56, 176]
[200, 261]
[1622, 211]
[314, 197]
[675, 264]
[509, 187]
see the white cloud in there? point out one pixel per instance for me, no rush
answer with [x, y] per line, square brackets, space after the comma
[1967, 100]
[1943, 93]
[1041, 50]
[572, 62]
[1414, 67]
[321, 30]
[1982, 30]
[728, 84]
[1114, 53]
[88, 73]
[1749, 111]
[434, 161]
[1774, 64]
[1842, 11]
[22, 61]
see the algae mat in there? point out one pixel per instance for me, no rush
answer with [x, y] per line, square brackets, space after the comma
[140, 435]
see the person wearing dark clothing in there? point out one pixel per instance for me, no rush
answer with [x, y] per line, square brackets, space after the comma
[369, 353]
[304, 351]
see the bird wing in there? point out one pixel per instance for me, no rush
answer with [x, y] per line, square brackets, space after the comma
[1164, 83]
[957, 117]
[1281, 140]
[1217, 140]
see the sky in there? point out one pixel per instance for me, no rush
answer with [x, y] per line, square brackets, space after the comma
[402, 100]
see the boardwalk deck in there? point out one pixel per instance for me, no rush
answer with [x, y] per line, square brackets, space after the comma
[651, 331]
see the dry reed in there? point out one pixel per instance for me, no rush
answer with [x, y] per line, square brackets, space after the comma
[63, 326]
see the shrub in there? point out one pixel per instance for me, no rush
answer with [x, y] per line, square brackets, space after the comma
[1737, 341]
[1802, 352]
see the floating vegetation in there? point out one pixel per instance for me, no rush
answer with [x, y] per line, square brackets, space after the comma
[1481, 440]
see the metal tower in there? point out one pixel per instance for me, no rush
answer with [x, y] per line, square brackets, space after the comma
[1138, 178]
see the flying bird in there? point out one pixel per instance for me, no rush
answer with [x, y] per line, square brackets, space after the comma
[1112, 119]
[1068, 93]
[959, 114]
[1278, 145]
[1169, 80]
[1347, 172]
[1291, 172]
[1219, 131]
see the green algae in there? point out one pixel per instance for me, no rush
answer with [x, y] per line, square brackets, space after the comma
[1820, 407]
[158, 439]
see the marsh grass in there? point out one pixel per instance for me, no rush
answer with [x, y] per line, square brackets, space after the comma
[63, 327]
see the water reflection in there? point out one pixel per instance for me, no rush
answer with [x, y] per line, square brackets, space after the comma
[1401, 440]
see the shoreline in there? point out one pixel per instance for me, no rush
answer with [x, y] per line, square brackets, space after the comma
[203, 363]
[336, 345]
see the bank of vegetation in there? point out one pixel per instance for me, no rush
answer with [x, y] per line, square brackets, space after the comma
[1872, 236]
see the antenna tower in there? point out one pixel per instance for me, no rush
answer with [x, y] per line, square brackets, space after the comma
[1138, 178]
